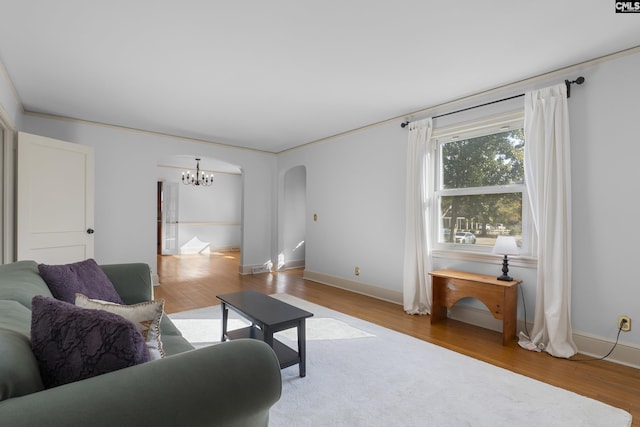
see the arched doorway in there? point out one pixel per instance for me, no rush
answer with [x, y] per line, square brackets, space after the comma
[198, 219]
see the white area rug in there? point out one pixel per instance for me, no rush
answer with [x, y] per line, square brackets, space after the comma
[360, 374]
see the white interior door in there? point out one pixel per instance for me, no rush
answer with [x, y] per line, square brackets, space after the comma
[55, 201]
[170, 218]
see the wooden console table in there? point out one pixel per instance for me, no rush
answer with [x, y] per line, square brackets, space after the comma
[500, 297]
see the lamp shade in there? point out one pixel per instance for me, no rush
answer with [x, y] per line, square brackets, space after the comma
[506, 245]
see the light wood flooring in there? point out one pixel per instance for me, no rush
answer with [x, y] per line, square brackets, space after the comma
[193, 281]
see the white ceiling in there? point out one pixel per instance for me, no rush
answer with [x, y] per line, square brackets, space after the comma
[271, 75]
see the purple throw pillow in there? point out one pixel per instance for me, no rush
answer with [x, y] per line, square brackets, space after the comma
[84, 277]
[72, 343]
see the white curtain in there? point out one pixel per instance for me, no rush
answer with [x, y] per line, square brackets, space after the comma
[417, 250]
[548, 177]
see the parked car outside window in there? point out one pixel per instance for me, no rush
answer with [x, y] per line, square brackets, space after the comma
[465, 237]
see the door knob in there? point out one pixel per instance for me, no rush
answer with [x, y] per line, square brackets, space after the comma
[90, 231]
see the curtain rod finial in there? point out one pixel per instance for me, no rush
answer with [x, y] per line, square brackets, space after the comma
[579, 81]
[404, 124]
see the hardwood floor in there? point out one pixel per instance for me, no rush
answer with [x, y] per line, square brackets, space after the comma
[193, 281]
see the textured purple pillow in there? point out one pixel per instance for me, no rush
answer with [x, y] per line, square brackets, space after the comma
[84, 277]
[72, 343]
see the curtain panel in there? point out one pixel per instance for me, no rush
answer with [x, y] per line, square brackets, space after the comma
[419, 187]
[548, 177]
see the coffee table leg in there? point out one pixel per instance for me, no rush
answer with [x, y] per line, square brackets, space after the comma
[268, 336]
[225, 316]
[302, 347]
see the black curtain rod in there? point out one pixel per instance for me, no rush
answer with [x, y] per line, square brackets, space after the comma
[579, 81]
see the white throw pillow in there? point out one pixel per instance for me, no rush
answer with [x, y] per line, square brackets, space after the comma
[145, 316]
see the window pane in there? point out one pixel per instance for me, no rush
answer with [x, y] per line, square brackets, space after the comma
[489, 160]
[479, 219]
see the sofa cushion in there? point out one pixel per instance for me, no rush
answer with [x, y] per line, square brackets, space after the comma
[15, 317]
[145, 316]
[84, 277]
[72, 343]
[172, 340]
[132, 281]
[19, 373]
[20, 281]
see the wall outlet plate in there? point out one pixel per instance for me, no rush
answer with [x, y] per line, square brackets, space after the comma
[626, 327]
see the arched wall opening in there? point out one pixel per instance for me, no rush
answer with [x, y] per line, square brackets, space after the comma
[198, 219]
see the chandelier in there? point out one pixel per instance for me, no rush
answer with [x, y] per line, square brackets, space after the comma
[200, 178]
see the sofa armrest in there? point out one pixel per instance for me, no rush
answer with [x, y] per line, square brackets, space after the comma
[229, 384]
[131, 280]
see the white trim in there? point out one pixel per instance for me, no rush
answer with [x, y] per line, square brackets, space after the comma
[8, 185]
[588, 345]
[226, 248]
[255, 269]
[12, 88]
[443, 107]
[213, 223]
[455, 103]
[142, 131]
[466, 130]
[5, 120]
[291, 264]
[485, 257]
[353, 286]
[484, 126]
[624, 354]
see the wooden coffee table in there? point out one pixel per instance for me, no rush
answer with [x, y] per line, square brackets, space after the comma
[267, 316]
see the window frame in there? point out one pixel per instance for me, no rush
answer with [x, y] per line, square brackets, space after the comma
[466, 130]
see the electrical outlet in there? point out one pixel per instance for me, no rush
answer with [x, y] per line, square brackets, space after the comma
[624, 323]
[357, 271]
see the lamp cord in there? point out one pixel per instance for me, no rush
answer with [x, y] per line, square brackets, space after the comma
[591, 359]
[524, 309]
[603, 357]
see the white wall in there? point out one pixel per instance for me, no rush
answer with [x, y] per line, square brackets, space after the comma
[126, 177]
[606, 147]
[355, 183]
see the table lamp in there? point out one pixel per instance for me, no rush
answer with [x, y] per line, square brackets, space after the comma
[505, 245]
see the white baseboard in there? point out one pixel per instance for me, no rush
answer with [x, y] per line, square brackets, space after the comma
[590, 345]
[624, 354]
[353, 286]
[228, 248]
[293, 264]
[255, 269]
[207, 250]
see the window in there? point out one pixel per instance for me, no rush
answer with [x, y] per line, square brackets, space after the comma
[479, 184]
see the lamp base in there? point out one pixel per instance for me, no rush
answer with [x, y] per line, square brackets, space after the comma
[505, 270]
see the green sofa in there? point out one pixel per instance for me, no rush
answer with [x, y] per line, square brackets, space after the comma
[229, 384]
